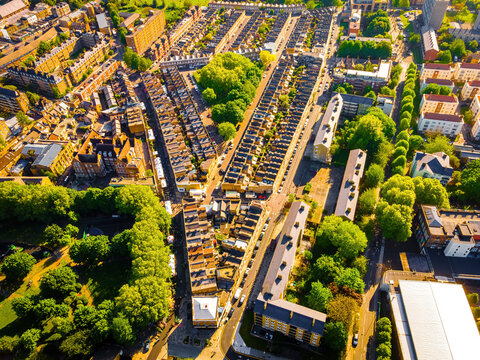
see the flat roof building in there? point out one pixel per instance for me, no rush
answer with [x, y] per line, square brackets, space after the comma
[433, 321]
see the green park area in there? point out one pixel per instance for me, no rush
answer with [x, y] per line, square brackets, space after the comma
[66, 292]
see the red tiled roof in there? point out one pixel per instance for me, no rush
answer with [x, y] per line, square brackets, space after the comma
[443, 117]
[442, 98]
[470, 66]
[439, 81]
[474, 83]
[432, 66]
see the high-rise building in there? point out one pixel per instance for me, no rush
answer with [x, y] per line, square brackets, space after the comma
[433, 12]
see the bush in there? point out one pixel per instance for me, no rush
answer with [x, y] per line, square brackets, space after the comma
[472, 299]
[367, 202]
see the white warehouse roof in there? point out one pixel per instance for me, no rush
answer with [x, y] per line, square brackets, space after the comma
[440, 321]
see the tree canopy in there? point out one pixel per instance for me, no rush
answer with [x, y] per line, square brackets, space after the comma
[344, 236]
[227, 130]
[365, 49]
[17, 265]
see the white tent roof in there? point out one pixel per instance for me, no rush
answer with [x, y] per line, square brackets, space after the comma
[440, 320]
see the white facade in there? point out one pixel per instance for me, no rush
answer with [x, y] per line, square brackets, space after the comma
[448, 125]
[326, 132]
[458, 248]
[442, 104]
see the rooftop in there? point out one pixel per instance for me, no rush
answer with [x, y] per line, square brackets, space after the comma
[441, 98]
[439, 322]
[443, 117]
[204, 307]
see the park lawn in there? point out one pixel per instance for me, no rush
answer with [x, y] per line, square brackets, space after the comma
[104, 281]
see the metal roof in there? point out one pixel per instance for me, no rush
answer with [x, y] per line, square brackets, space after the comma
[440, 320]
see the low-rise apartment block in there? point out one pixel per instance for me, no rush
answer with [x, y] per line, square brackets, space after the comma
[444, 104]
[326, 132]
[369, 5]
[360, 78]
[146, 33]
[475, 108]
[433, 166]
[100, 155]
[96, 79]
[11, 8]
[470, 90]
[90, 59]
[467, 72]
[271, 311]
[448, 125]
[350, 186]
[475, 132]
[49, 156]
[13, 101]
[42, 82]
[61, 9]
[437, 228]
[53, 59]
[437, 71]
[354, 105]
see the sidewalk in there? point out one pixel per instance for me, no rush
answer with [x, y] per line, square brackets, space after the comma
[240, 347]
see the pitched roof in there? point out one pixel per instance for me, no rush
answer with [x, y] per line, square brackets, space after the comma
[205, 307]
[444, 82]
[441, 98]
[437, 163]
[443, 117]
[11, 7]
[292, 314]
[470, 66]
[434, 66]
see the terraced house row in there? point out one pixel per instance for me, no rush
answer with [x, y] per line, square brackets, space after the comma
[179, 154]
[233, 19]
[192, 124]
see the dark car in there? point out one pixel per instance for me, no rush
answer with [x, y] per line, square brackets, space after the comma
[146, 347]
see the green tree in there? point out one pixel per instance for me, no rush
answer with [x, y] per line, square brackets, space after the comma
[53, 235]
[444, 57]
[62, 326]
[458, 48]
[415, 142]
[384, 324]
[59, 282]
[319, 297]
[326, 269]
[441, 143]
[335, 336]
[430, 192]
[28, 340]
[469, 180]
[33, 98]
[473, 45]
[91, 250]
[17, 265]
[266, 58]
[414, 38]
[367, 201]
[342, 308]
[342, 235]
[78, 345]
[8, 344]
[360, 263]
[384, 336]
[472, 299]
[374, 175]
[23, 120]
[394, 220]
[351, 278]
[384, 350]
[403, 4]
[209, 95]
[399, 190]
[227, 131]
[122, 331]
[23, 305]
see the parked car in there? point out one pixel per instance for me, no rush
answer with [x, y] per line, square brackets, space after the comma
[242, 299]
[355, 340]
[146, 347]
